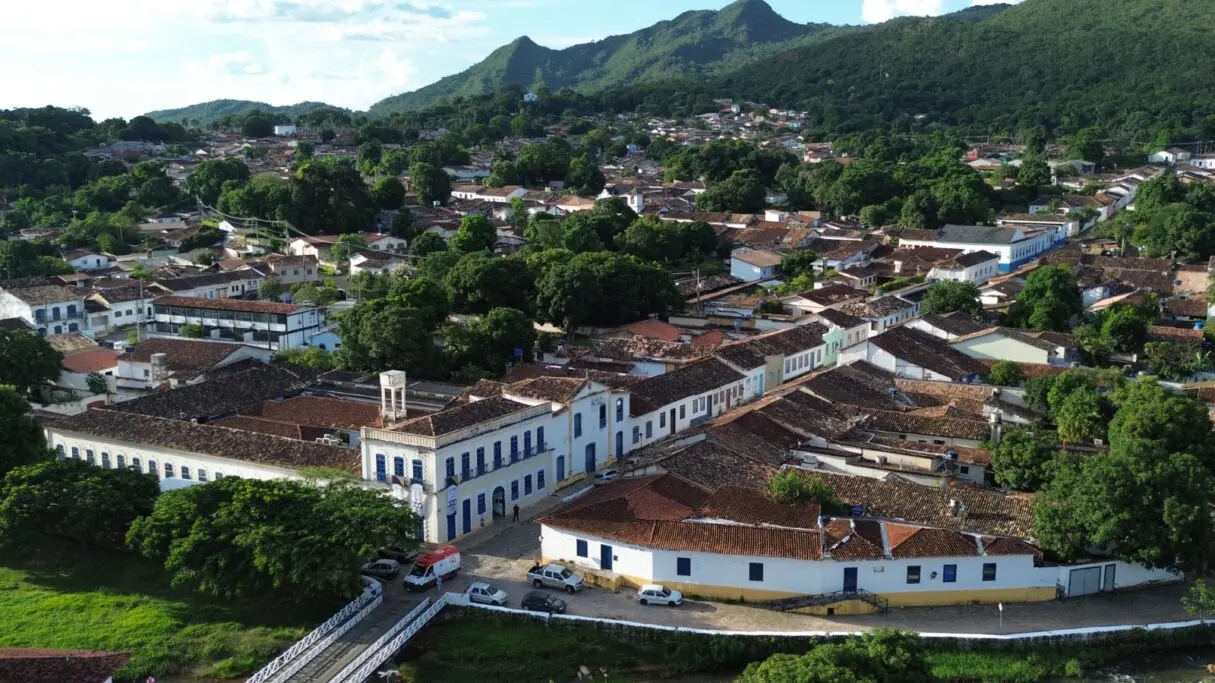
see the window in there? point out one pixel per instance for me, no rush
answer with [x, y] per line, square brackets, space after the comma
[497, 454]
[577, 425]
[540, 479]
[527, 444]
[136, 465]
[60, 452]
[75, 453]
[514, 490]
[122, 462]
[636, 434]
[480, 461]
[168, 470]
[417, 470]
[539, 439]
[152, 468]
[964, 469]
[620, 410]
[219, 475]
[681, 411]
[757, 571]
[398, 466]
[527, 484]
[202, 474]
[465, 466]
[185, 472]
[683, 566]
[950, 573]
[381, 469]
[514, 448]
[40, 315]
[603, 417]
[580, 548]
[913, 574]
[989, 571]
[649, 429]
[662, 420]
[480, 503]
[88, 455]
[451, 468]
[105, 460]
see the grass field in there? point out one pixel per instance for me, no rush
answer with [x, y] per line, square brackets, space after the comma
[67, 596]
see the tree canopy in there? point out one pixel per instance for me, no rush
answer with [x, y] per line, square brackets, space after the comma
[1049, 300]
[950, 296]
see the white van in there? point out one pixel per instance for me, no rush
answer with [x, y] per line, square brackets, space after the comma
[443, 563]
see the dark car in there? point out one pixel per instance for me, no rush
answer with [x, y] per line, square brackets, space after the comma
[392, 552]
[539, 601]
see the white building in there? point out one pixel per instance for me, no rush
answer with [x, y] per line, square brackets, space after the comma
[754, 265]
[284, 130]
[976, 267]
[49, 309]
[234, 284]
[914, 354]
[119, 307]
[1172, 155]
[83, 259]
[670, 403]
[1013, 245]
[159, 360]
[508, 445]
[267, 324]
[771, 359]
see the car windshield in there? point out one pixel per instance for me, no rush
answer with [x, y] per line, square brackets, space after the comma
[489, 590]
[418, 570]
[565, 573]
[550, 600]
[665, 592]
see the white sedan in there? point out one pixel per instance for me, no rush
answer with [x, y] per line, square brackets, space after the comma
[487, 594]
[654, 594]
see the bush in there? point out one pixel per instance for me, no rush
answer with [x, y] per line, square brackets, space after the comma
[1006, 373]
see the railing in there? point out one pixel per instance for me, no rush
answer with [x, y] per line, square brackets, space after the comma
[387, 645]
[303, 652]
[831, 598]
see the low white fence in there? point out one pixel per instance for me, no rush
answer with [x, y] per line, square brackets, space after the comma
[307, 648]
[387, 645]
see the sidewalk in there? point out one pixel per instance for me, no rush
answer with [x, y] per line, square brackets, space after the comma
[478, 537]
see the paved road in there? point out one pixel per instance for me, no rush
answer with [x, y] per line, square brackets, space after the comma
[505, 559]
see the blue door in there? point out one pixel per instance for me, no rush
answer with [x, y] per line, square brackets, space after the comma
[590, 457]
[451, 527]
[467, 515]
[849, 579]
[605, 557]
[619, 445]
[560, 468]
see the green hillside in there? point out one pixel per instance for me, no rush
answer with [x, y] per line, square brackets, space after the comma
[206, 112]
[1059, 63]
[695, 43]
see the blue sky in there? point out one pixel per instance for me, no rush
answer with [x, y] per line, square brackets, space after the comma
[126, 57]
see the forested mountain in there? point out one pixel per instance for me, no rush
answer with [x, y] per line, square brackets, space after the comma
[693, 44]
[206, 112]
[1128, 65]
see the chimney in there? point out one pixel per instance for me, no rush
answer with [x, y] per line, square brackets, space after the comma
[392, 396]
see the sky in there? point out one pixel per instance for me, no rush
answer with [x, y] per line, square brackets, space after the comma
[127, 57]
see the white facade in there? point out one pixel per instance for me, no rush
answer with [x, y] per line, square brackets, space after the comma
[688, 412]
[89, 261]
[53, 314]
[284, 129]
[976, 274]
[162, 462]
[271, 330]
[887, 361]
[139, 375]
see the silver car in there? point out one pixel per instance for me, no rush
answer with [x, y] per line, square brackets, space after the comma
[487, 594]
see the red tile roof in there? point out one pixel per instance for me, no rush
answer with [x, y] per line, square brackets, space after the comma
[908, 541]
[654, 329]
[32, 665]
[241, 305]
[93, 360]
[854, 539]
[320, 411]
[753, 506]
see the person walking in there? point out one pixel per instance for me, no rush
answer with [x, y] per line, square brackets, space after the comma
[514, 513]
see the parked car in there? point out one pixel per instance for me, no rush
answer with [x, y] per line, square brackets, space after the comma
[443, 563]
[605, 476]
[487, 594]
[538, 601]
[654, 594]
[392, 552]
[383, 568]
[554, 576]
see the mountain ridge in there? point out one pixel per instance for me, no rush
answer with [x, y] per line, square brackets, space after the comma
[206, 112]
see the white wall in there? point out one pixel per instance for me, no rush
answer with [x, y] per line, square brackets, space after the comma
[214, 467]
[996, 346]
[686, 410]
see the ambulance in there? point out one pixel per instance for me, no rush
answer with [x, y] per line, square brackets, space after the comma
[433, 566]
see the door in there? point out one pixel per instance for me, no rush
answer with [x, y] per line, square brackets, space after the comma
[605, 557]
[849, 579]
[560, 468]
[1084, 581]
[619, 445]
[467, 515]
[590, 458]
[709, 405]
[451, 527]
[1107, 584]
[671, 420]
[499, 502]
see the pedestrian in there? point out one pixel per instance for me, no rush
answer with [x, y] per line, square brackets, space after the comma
[515, 514]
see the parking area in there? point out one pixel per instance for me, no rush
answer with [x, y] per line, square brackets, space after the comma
[505, 559]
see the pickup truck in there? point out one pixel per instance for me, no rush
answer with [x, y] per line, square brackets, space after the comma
[554, 576]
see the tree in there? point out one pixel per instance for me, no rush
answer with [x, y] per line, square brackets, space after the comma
[271, 288]
[874, 215]
[308, 357]
[604, 288]
[742, 192]
[1199, 599]
[96, 383]
[1006, 373]
[1048, 301]
[949, 296]
[476, 233]
[1024, 458]
[697, 240]
[257, 126]
[426, 244]
[585, 177]
[1175, 362]
[490, 342]
[881, 656]
[324, 196]
[1081, 417]
[381, 334]
[1034, 173]
[247, 537]
[428, 297]
[1125, 327]
[649, 238]
[193, 331]
[27, 360]
[430, 183]
[73, 499]
[798, 262]
[346, 247]
[404, 225]
[480, 282]
[24, 441]
[388, 193]
[788, 487]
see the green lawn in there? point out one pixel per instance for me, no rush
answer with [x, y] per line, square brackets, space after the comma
[68, 596]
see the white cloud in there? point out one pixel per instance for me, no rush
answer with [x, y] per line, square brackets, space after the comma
[877, 11]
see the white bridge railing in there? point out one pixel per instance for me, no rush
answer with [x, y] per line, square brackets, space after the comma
[307, 648]
[388, 644]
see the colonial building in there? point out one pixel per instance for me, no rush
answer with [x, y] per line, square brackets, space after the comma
[268, 324]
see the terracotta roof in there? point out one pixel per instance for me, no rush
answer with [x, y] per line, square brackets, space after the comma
[655, 392]
[654, 329]
[760, 257]
[1185, 335]
[94, 360]
[36, 665]
[560, 390]
[242, 305]
[756, 436]
[661, 497]
[932, 353]
[752, 506]
[860, 384]
[710, 465]
[841, 319]
[1003, 545]
[213, 399]
[334, 413]
[184, 355]
[455, 419]
[1189, 308]
[44, 294]
[854, 539]
[833, 294]
[806, 414]
[956, 323]
[752, 353]
[206, 439]
[928, 425]
[249, 423]
[909, 542]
